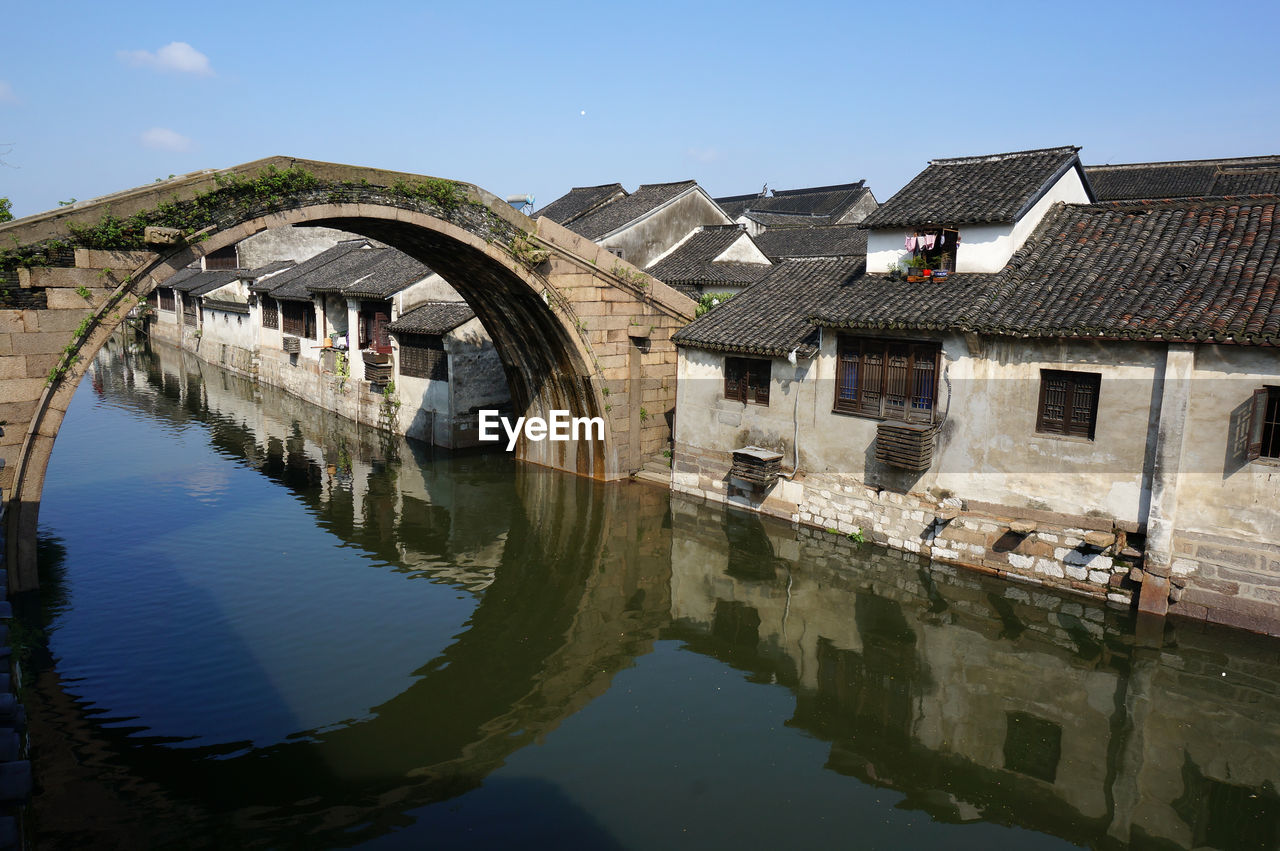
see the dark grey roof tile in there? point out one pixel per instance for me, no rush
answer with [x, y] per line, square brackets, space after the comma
[579, 201]
[617, 213]
[693, 261]
[437, 317]
[972, 190]
[829, 241]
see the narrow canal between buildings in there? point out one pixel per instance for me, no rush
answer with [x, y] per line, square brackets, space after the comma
[261, 625]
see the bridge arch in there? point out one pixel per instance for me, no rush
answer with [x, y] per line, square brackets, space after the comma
[577, 329]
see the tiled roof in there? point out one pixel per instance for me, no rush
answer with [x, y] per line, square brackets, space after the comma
[830, 241]
[692, 262]
[291, 284]
[196, 282]
[612, 216]
[579, 201]
[816, 205]
[772, 317]
[349, 269]
[388, 276]
[436, 317]
[736, 205]
[1189, 270]
[971, 190]
[269, 269]
[1185, 179]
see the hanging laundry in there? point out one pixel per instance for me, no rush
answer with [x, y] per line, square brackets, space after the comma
[927, 241]
[911, 243]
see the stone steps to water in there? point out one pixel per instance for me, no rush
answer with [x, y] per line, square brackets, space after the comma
[656, 469]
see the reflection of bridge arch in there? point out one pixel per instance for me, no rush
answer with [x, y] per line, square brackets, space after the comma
[570, 321]
[571, 604]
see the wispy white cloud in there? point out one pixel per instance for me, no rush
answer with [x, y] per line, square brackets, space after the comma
[703, 155]
[6, 93]
[164, 139]
[176, 56]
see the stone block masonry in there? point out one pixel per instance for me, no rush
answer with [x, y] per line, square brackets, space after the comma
[1054, 552]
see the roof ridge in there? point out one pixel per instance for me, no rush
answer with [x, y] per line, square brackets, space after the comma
[835, 187]
[668, 183]
[1181, 201]
[1275, 158]
[991, 158]
[599, 186]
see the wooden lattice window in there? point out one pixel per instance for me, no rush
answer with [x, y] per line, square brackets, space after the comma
[423, 356]
[889, 379]
[1264, 425]
[298, 318]
[270, 312]
[1068, 402]
[747, 380]
[166, 298]
[189, 316]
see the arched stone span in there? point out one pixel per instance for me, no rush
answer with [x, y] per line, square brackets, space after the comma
[577, 329]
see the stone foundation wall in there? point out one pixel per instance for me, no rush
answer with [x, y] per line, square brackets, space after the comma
[1226, 581]
[1072, 554]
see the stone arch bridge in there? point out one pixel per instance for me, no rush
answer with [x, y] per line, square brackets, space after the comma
[577, 328]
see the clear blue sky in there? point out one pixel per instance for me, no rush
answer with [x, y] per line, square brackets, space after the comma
[539, 97]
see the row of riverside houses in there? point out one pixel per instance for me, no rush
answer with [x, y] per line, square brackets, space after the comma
[354, 327]
[1060, 374]
[368, 332]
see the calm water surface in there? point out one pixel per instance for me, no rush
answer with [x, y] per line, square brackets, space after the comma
[263, 626]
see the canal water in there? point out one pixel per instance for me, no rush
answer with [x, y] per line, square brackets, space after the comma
[265, 626]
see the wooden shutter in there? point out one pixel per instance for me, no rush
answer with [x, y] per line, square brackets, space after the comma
[847, 376]
[1257, 423]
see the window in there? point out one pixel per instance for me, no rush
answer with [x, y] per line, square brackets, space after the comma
[747, 380]
[935, 249]
[1068, 403]
[189, 310]
[891, 379]
[299, 318]
[423, 356]
[166, 298]
[373, 326]
[223, 258]
[270, 312]
[1264, 428]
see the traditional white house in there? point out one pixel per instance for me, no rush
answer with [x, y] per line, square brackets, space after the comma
[1085, 395]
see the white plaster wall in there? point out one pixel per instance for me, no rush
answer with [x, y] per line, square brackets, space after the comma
[988, 449]
[431, 288]
[743, 250]
[227, 328]
[287, 244]
[653, 235]
[983, 248]
[1218, 493]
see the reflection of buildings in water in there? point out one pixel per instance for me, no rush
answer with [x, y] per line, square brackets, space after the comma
[567, 606]
[980, 700]
[419, 520]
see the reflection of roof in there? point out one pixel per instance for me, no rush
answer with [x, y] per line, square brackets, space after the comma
[694, 261]
[772, 317]
[437, 317]
[830, 241]
[970, 190]
[579, 201]
[613, 215]
[1189, 270]
[1185, 179]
